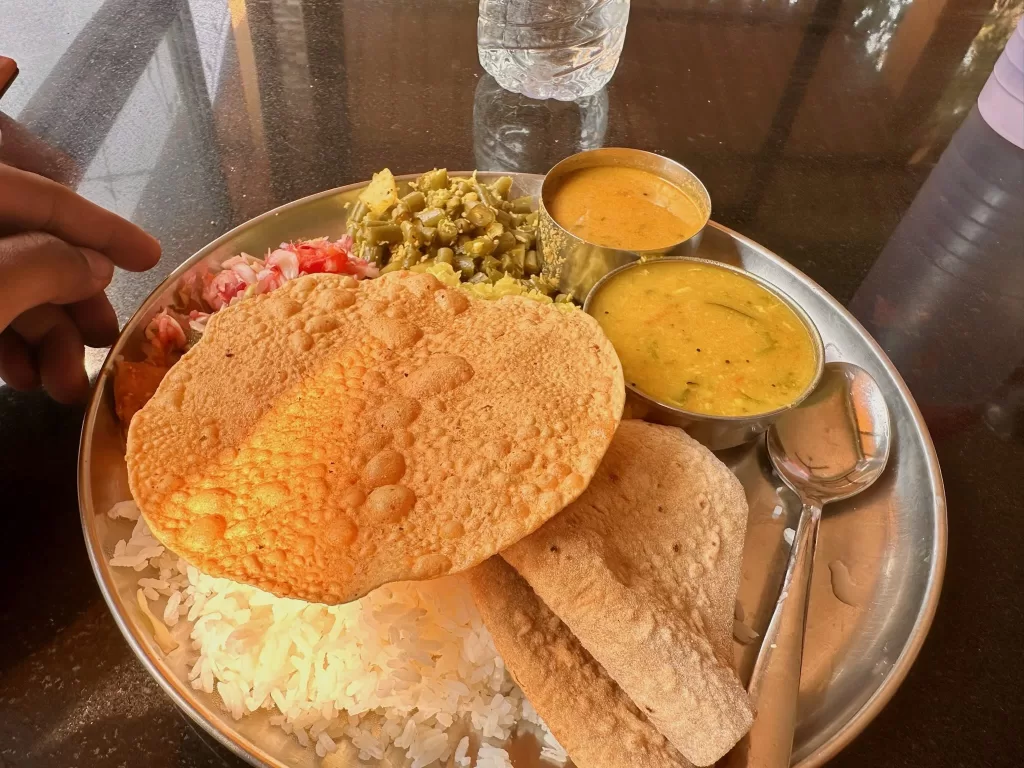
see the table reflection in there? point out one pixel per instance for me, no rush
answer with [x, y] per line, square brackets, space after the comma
[512, 132]
[946, 296]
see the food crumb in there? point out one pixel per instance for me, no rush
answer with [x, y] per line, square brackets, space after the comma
[742, 633]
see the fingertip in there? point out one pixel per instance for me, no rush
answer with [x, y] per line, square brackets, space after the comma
[154, 250]
[145, 251]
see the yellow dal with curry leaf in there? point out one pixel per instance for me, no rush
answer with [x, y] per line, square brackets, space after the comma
[705, 339]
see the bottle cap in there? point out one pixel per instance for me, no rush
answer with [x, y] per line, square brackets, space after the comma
[1001, 102]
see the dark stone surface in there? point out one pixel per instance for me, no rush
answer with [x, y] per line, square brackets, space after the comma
[815, 126]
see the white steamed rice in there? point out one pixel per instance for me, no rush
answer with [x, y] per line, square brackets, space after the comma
[409, 670]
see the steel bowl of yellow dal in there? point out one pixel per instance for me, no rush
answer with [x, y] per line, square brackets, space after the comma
[706, 346]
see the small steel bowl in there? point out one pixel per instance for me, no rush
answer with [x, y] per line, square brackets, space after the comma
[575, 264]
[717, 432]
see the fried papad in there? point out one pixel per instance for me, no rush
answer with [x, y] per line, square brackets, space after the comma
[644, 568]
[333, 436]
[588, 713]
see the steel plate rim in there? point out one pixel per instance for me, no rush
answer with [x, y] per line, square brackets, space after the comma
[196, 711]
[255, 755]
[926, 614]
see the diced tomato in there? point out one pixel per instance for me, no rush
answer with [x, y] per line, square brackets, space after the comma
[322, 255]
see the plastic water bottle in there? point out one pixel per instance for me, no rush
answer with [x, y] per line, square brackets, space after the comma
[551, 49]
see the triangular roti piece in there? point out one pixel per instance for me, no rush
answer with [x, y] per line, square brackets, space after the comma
[644, 569]
[586, 711]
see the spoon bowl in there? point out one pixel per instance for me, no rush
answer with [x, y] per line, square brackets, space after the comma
[836, 443]
[833, 446]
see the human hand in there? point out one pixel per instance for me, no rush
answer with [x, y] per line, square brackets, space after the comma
[57, 254]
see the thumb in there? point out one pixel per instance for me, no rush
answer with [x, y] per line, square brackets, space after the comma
[37, 268]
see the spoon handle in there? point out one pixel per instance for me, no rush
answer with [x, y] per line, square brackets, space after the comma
[775, 683]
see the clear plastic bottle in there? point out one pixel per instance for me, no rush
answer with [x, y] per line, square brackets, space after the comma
[551, 49]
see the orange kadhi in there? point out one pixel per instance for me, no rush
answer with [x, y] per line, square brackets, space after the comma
[627, 208]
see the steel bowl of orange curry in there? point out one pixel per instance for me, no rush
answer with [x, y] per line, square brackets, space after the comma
[607, 207]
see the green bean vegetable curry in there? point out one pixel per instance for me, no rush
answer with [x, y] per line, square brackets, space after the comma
[704, 338]
[476, 228]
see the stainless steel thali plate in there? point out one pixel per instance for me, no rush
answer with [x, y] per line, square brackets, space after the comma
[888, 544]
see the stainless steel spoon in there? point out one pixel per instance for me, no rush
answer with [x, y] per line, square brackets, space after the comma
[832, 447]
